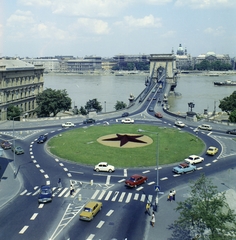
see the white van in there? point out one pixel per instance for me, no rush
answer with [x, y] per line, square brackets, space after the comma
[205, 127]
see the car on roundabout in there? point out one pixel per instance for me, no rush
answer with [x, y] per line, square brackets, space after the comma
[45, 194]
[158, 115]
[193, 159]
[89, 120]
[90, 210]
[232, 131]
[104, 167]
[205, 127]
[212, 151]
[127, 121]
[68, 124]
[17, 150]
[6, 145]
[125, 114]
[42, 138]
[135, 180]
[179, 124]
[151, 109]
[184, 168]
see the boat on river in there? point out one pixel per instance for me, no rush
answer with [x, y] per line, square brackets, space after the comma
[225, 83]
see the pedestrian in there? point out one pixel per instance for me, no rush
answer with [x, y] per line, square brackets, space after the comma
[173, 194]
[59, 183]
[153, 220]
[170, 196]
[148, 205]
[72, 189]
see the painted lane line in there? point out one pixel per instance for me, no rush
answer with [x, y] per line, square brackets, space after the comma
[165, 178]
[65, 169]
[57, 160]
[140, 188]
[31, 156]
[108, 196]
[109, 213]
[34, 161]
[90, 237]
[36, 187]
[23, 229]
[100, 224]
[150, 198]
[42, 171]
[114, 196]
[102, 194]
[68, 194]
[37, 165]
[29, 193]
[47, 182]
[199, 168]
[122, 180]
[136, 196]
[61, 164]
[69, 175]
[23, 192]
[146, 171]
[121, 197]
[128, 198]
[176, 175]
[208, 164]
[108, 179]
[34, 216]
[143, 198]
[216, 160]
[95, 194]
[62, 192]
[36, 193]
[125, 172]
[31, 152]
[151, 183]
[41, 205]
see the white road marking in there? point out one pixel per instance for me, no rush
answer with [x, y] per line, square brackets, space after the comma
[95, 194]
[23, 229]
[37, 165]
[208, 164]
[143, 198]
[28, 193]
[128, 198]
[165, 178]
[136, 196]
[140, 188]
[125, 172]
[115, 196]
[150, 198]
[102, 194]
[34, 161]
[56, 160]
[46, 176]
[41, 205]
[42, 171]
[122, 180]
[108, 179]
[121, 197]
[90, 237]
[146, 171]
[215, 160]
[34, 216]
[109, 213]
[69, 175]
[47, 182]
[61, 164]
[100, 224]
[62, 192]
[66, 169]
[32, 157]
[23, 192]
[151, 183]
[108, 195]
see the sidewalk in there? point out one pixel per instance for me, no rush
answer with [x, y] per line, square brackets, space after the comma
[9, 185]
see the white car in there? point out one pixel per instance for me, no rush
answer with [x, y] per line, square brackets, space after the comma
[205, 127]
[192, 159]
[127, 120]
[179, 124]
[104, 167]
[68, 124]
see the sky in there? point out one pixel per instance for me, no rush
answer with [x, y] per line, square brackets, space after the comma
[105, 28]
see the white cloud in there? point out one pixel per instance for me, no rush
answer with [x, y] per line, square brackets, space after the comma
[36, 2]
[158, 2]
[20, 18]
[145, 22]
[216, 32]
[168, 34]
[206, 3]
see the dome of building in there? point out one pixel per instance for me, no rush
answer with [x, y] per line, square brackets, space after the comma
[210, 54]
[180, 50]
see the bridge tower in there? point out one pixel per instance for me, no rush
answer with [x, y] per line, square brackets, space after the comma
[166, 63]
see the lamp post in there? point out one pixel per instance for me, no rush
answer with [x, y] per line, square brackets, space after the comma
[105, 106]
[157, 165]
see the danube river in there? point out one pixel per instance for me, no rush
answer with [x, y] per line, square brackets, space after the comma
[108, 89]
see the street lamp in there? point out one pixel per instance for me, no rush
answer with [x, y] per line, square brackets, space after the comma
[157, 188]
[105, 106]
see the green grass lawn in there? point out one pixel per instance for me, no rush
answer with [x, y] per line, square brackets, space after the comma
[81, 146]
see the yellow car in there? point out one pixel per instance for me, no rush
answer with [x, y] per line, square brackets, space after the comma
[212, 150]
[90, 210]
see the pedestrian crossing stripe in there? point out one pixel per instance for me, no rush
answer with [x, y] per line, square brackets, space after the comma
[97, 195]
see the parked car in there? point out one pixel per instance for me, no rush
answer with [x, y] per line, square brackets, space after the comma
[233, 131]
[42, 138]
[205, 127]
[127, 120]
[45, 194]
[151, 109]
[158, 115]
[125, 114]
[89, 120]
[212, 151]
[179, 124]
[68, 124]
[5, 145]
[135, 180]
[104, 167]
[90, 210]
[193, 159]
[184, 168]
[17, 150]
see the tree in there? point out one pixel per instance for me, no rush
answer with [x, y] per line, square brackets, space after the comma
[13, 112]
[93, 105]
[83, 111]
[206, 210]
[51, 102]
[120, 105]
[228, 104]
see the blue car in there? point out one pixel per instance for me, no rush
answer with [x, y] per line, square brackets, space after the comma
[184, 168]
[45, 194]
[42, 139]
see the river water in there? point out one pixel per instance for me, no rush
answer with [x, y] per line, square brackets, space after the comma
[108, 89]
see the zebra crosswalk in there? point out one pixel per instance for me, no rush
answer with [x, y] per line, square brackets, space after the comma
[99, 195]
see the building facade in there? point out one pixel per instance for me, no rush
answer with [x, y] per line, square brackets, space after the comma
[20, 83]
[212, 57]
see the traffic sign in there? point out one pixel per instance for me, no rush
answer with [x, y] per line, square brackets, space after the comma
[157, 188]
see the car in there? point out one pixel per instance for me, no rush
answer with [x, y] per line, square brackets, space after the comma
[45, 194]
[205, 127]
[155, 98]
[89, 120]
[17, 150]
[127, 120]
[125, 114]
[90, 210]
[150, 109]
[68, 124]
[158, 115]
[6, 145]
[179, 124]
[149, 99]
[184, 168]
[212, 151]
[233, 131]
[135, 180]
[42, 139]
[193, 159]
[104, 167]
